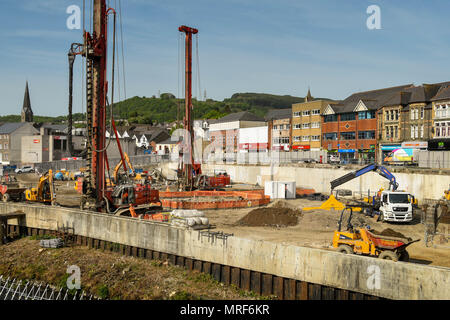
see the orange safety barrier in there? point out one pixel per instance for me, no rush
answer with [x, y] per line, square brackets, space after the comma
[253, 198]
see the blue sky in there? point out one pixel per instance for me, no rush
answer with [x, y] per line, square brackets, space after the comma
[277, 46]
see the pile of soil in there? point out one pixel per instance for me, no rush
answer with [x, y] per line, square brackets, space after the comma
[391, 233]
[279, 214]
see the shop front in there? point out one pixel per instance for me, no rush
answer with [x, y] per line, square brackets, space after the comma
[301, 148]
[347, 155]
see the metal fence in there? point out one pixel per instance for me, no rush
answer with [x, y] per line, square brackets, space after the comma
[14, 289]
[74, 165]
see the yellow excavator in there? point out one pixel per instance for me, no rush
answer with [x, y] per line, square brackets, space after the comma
[132, 173]
[45, 191]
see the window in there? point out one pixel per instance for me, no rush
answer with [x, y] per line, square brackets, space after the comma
[305, 126]
[5, 156]
[297, 138]
[330, 118]
[281, 140]
[297, 126]
[392, 115]
[315, 112]
[416, 111]
[297, 114]
[315, 125]
[387, 132]
[288, 126]
[330, 136]
[6, 146]
[422, 113]
[395, 132]
[421, 131]
[412, 132]
[396, 114]
[366, 115]
[305, 138]
[347, 135]
[315, 138]
[306, 113]
[275, 127]
[1, 146]
[363, 135]
[348, 116]
[412, 114]
[387, 115]
[281, 126]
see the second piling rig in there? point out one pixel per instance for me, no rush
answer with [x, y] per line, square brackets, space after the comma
[95, 194]
[186, 180]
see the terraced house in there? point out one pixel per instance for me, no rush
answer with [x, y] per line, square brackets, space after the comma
[405, 121]
[441, 113]
[349, 127]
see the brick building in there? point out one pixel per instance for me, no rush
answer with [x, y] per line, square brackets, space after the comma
[349, 127]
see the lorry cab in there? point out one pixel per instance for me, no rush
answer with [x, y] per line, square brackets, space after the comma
[396, 206]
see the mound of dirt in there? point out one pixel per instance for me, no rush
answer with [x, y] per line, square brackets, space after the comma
[279, 214]
[391, 233]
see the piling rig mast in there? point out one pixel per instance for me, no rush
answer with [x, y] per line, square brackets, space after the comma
[94, 49]
[187, 181]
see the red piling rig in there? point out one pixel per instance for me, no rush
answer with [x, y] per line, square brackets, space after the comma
[188, 121]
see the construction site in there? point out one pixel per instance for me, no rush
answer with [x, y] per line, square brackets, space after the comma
[289, 232]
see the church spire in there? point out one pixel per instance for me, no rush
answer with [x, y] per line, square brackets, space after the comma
[27, 113]
[309, 97]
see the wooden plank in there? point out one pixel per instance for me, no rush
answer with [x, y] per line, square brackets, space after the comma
[278, 287]
[90, 243]
[134, 251]
[96, 244]
[207, 267]
[245, 279]
[236, 276]
[3, 233]
[141, 253]
[225, 276]
[34, 232]
[179, 261]
[343, 295]
[216, 270]
[149, 254]
[315, 290]
[172, 259]
[156, 255]
[164, 257]
[289, 289]
[302, 290]
[267, 285]
[198, 265]
[328, 293]
[189, 264]
[255, 282]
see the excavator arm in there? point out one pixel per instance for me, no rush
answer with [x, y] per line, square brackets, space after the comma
[382, 171]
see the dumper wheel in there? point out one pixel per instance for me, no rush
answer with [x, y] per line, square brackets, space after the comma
[388, 255]
[404, 256]
[346, 249]
[6, 197]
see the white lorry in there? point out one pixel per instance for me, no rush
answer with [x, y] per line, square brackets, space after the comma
[396, 206]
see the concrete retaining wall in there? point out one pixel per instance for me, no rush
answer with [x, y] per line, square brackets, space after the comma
[360, 274]
[421, 185]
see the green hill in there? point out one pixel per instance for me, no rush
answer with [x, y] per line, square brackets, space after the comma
[167, 108]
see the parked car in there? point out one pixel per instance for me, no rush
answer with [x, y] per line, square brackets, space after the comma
[25, 169]
[334, 159]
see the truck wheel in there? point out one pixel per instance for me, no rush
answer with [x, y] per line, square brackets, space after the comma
[404, 256]
[346, 249]
[388, 255]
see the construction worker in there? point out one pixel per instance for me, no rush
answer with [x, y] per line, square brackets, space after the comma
[125, 197]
